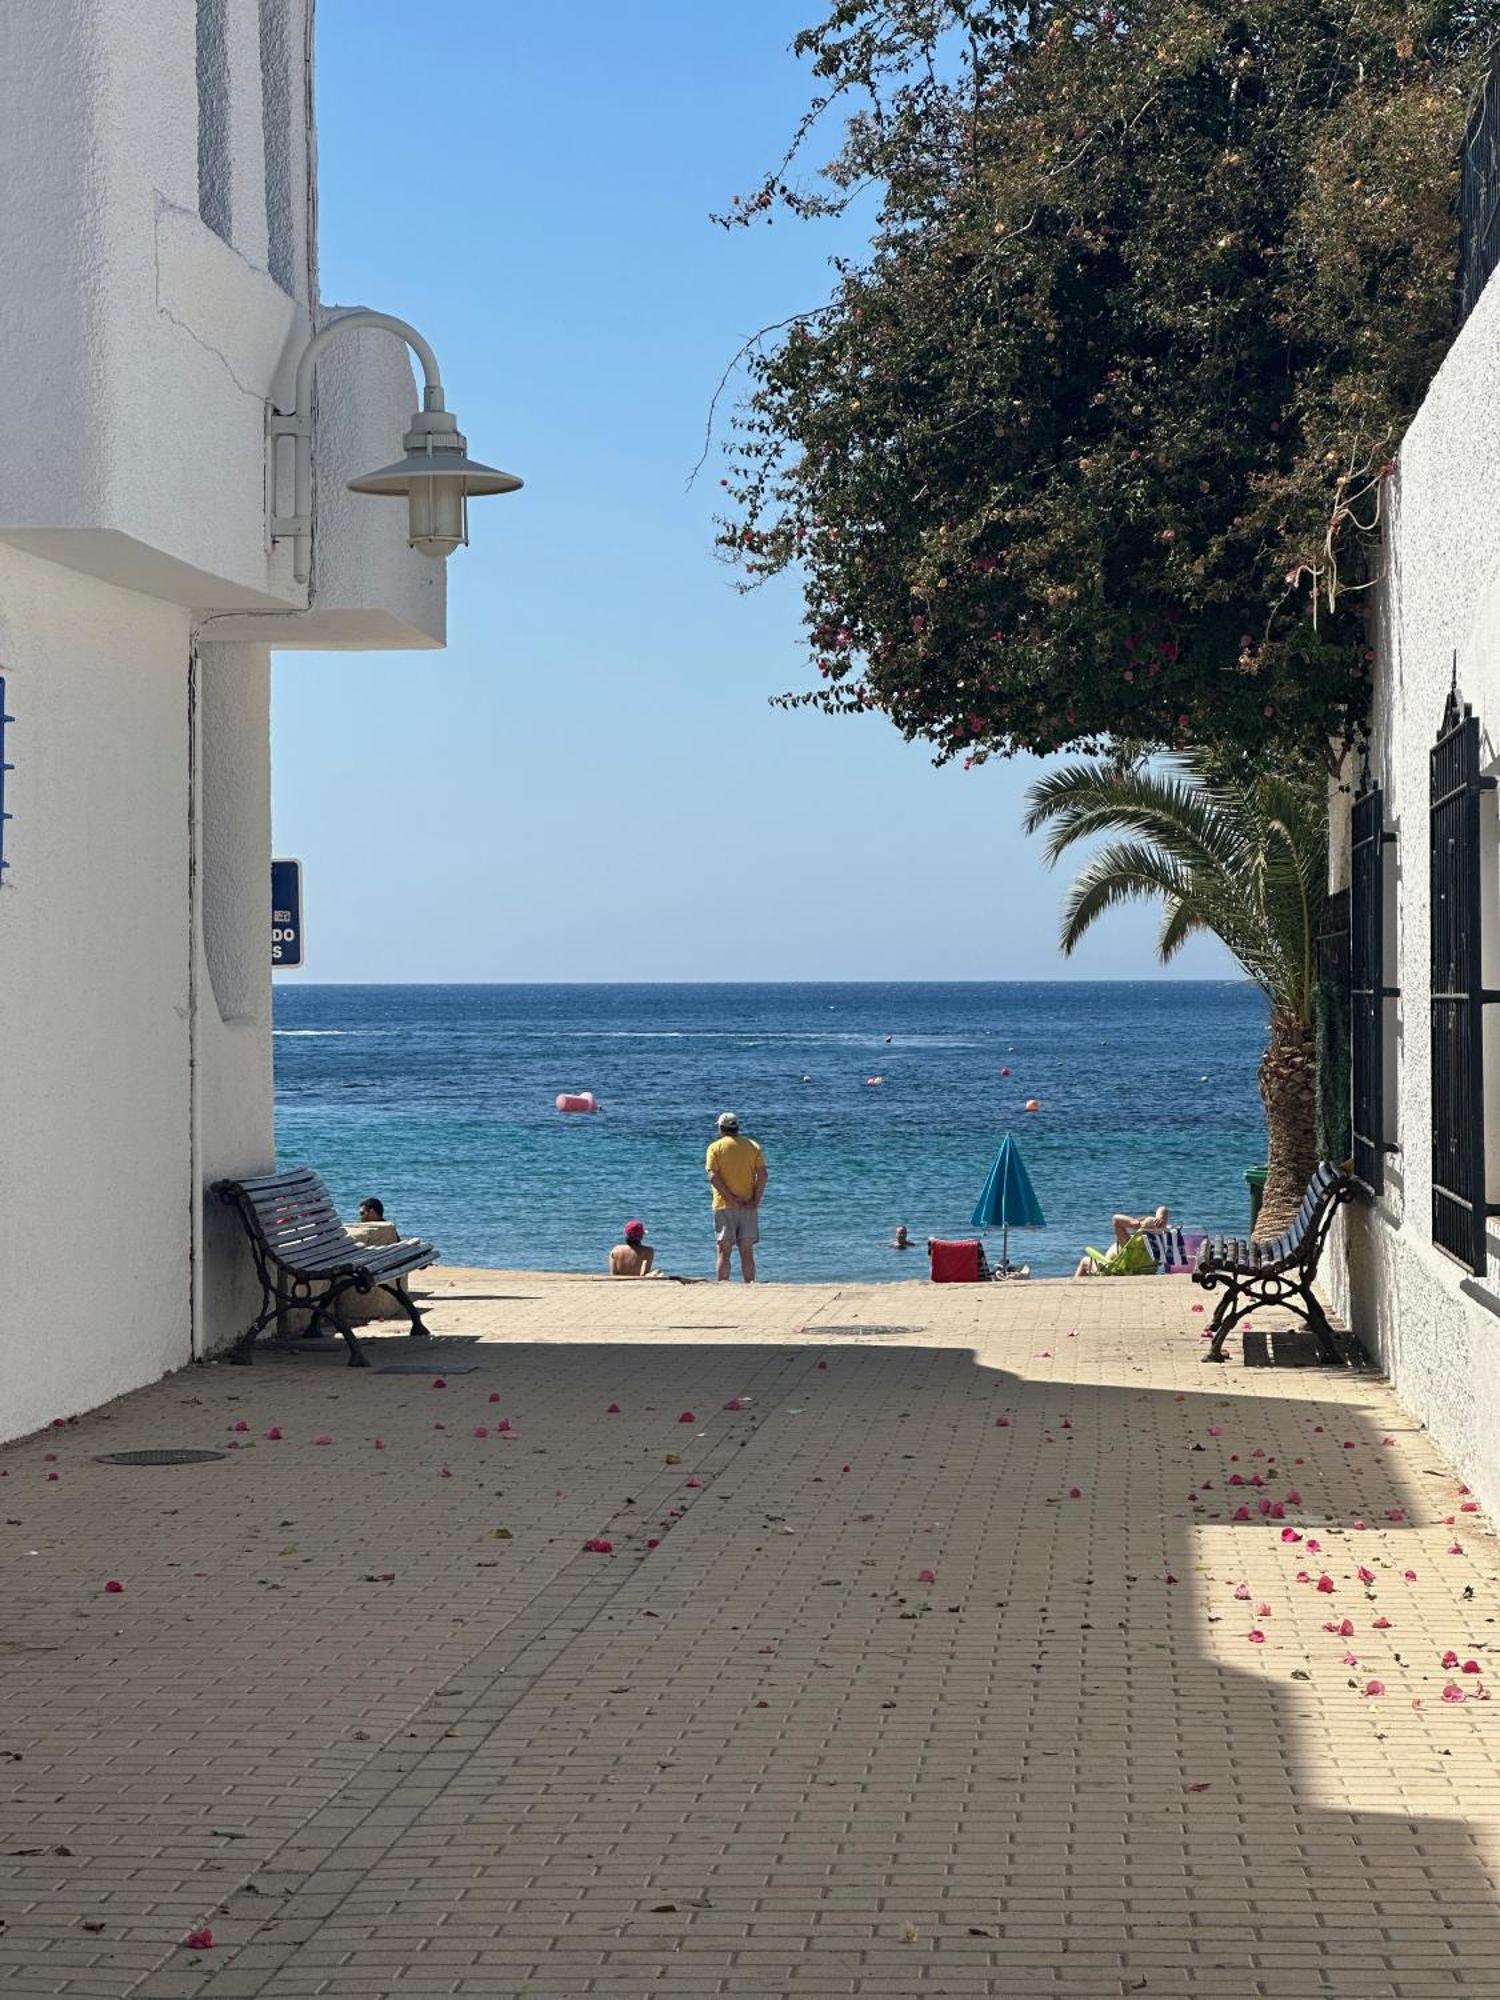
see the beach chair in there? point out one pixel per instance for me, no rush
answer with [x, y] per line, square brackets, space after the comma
[1175, 1250]
[960, 1262]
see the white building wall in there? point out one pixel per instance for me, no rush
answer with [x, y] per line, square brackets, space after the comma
[156, 232]
[1434, 1326]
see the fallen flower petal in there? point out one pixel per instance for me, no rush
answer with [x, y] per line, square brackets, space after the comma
[380, 1444]
[1170, 1578]
[1002, 1423]
[1303, 1577]
[274, 1434]
[1075, 1492]
[653, 1541]
[481, 1430]
[1325, 1583]
[114, 1587]
[1382, 1624]
[597, 1545]
[735, 1403]
[1256, 1638]
[242, 1425]
[1365, 1575]
[1449, 1659]
[1453, 1692]
[1455, 1548]
[1351, 1659]
[1469, 1507]
[1470, 1667]
[927, 1576]
[503, 1425]
[494, 1396]
[324, 1439]
[1294, 1498]
[1240, 1514]
[1290, 1535]
[1242, 1591]
[695, 1482]
[1410, 1575]
[438, 1382]
[687, 1417]
[1346, 1628]
[1216, 1430]
[613, 1410]
[1395, 1513]
[200, 1940]
[1374, 1687]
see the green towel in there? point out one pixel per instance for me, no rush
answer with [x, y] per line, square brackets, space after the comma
[1131, 1259]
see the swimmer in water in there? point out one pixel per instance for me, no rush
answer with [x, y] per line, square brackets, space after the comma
[901, 1241]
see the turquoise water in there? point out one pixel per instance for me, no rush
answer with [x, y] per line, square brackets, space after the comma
[440, 1100]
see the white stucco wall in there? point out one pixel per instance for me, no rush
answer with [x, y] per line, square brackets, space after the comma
[1422, 1315]
[95, 1188]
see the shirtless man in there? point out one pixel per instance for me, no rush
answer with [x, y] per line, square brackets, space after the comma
[634, 1258]
[1126, 1226]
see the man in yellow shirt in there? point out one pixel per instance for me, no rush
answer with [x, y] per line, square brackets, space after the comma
[736, 1170]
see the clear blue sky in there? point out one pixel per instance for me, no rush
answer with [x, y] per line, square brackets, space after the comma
[589, 783]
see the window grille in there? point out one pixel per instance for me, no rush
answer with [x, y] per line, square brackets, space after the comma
[1368, 992]
[1458, 995]
[1479, 194]
[4, 767]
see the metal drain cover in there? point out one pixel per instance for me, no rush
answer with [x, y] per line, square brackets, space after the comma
[863, 1329]
[157, 1457]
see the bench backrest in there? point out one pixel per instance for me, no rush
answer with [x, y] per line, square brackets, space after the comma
[293, 1213]
[1308, 1227]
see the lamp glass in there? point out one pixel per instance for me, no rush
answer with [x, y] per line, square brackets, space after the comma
[438, 514]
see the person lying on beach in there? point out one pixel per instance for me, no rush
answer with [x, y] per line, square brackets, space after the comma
[634, 1258]
[1126, 1226]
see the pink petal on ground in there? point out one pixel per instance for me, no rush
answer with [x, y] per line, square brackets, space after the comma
[1314, 1546]
[1470, 1667]
[1002, 1423]
[503, 1425]
[612, 1411]
[1240, 1514]
[1351, 1659]
[1075, 1492]
[597, 1545]
[1290, 1535]
[1263, 1507]
[242, 1425]
[653, 1541]
[114, 1587]
[822, 1364]
[1453, 1692]
[481, 1430]
[1278, 1511]
[1317, 1429]
[1462, 1488]
[1242, 1591]
[1449, 1520]
[1330, 1625]
[1170, 1578]
[695, 1482]
[1067, 1424]
[1374, 1687]
[1256, 1638]
[735, 1403]
[1469, 1507]
[1197, 1309]
[59, 1423]
[687, 1417]
[1045, 1354]
[1348, 1444]
[324, 1439]
[200, 1940]
[1365, 1575]
[1294, 1498]
[1356, 1523]
[445, 1473]
[1455, 1548]
[380, 1444]
[52, 1475]
[494, 1396]
[438, 1382]
[1303, 1577]
[1449, 1659]
[1395, 1513]
[848, 1468]
[926, 1576]
[1410, 1575]
[1262, 1610]
[1325, 1583]
[1382, 1624]
[274, 1434]
[1216, 1430]
[1346, 1628]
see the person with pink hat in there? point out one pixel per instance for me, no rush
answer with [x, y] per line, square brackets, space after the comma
[634, 1258]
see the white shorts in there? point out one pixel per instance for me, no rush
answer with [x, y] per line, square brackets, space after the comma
[736, 1225]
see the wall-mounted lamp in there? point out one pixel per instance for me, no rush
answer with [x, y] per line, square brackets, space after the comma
[435, 477]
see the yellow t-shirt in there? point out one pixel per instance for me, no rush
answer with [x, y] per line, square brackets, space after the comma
[736, 1162]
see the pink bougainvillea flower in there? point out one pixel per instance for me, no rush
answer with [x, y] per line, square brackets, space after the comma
[1455, 1548]
[1356, 1523]
[1263, 1507]
[1365, 1575]
[200, 1940]
[324, 1439]
[1294, 1498]
[1067, 1424]
[1470, 1667]
[439, 1382]
[1453, 1692]
[613, 1410]
[481, 1430]
[926, 1576]
[653, 1541]
[822, 1364]
[1256, 1638]
[242, 1425]
[1410, 1575]
[1314, 1546]
[1278, 1511]
[59, 1423]
[1170, 1578]
[1449, 1659]
[504, 1424]
[1303, 1577]
[1395, 1513]
[380, 1444]
[1290, 1535]
[1374, 1687]
[1262, 1610]
[1330, 1625]
[1449, 1520]
[494, 1395]
[1346, 1628]
[114, 1587]
[1351, 1659]
[1348, 1444]
[1242, 1591]
[695, 1482]
[274, 1434]
[1462, 1488]
[687, 1417]
[1216, 1430]
[445, 1473]
[1469, 1507]
[597, 1545]
[1387, 1440]
[1382, 1624]
[52, 1475]
[1317, 1429]
[1197, 1309]
[1236, 1479]
[1002, 1423]
[1325, 1583]
[1240, 1514]
[735, 1403]
[1075, 1492]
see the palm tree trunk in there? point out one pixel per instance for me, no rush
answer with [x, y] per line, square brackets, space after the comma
[1289, 1091]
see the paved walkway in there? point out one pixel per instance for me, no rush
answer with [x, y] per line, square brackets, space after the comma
[942, 1677]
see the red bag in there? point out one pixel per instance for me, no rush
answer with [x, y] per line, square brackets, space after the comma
[956, 1263]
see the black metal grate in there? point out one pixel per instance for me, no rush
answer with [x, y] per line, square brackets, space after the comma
[1458, 1197]
[157, 1457]
[1479, 195]
[1368, 992]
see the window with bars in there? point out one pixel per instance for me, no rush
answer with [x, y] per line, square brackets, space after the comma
[1368, 992]
[1459, 1207]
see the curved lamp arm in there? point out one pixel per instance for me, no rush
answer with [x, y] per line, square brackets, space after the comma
[296, 423]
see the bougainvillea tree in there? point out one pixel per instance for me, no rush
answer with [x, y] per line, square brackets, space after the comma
[1093, 443]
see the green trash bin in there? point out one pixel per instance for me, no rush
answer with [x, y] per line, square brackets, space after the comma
[1255, 1181]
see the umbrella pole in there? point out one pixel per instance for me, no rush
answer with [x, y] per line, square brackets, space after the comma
[1005, 1247]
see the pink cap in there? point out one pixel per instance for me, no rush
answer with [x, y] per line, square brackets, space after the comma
[634, 1231]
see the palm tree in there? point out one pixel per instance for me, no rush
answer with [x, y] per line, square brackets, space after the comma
[1242, 857]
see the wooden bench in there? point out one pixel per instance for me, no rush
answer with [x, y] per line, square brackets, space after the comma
[1275, 1273]
[306, 1258]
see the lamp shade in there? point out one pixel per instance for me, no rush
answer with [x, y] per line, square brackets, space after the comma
[436, 478]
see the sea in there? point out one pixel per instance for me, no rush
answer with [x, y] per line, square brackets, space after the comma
[875, 1104]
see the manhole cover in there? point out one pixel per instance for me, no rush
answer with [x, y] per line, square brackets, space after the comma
[863, 1329]
[157, 1457]
[436, 1366]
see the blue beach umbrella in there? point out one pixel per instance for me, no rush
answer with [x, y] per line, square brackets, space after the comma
[1008, 1200]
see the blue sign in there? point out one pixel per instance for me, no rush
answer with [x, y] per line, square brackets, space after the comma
[286, 913]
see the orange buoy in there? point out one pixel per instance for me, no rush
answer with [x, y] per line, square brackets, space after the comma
[1033, 1104]
[577, 1100]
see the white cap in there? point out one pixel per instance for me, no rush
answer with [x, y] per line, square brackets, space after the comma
[728, 1122]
